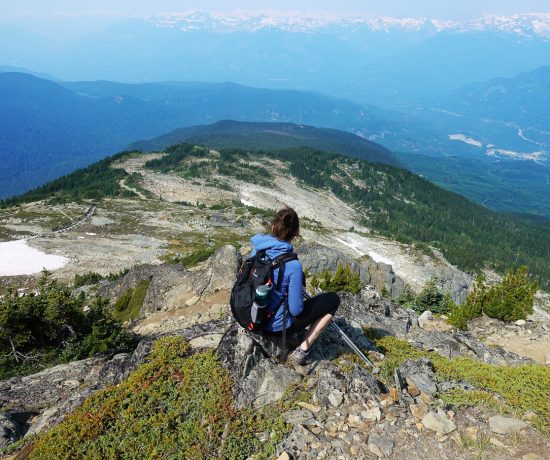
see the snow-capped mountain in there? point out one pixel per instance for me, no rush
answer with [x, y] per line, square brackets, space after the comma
[527, 25]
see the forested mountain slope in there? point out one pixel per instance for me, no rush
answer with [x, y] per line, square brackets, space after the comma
[385, 200]
[271, 136]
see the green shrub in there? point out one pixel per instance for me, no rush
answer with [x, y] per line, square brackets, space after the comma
[86, 278]
[509, 300]
[342, 280]
[512, 298]
[116, 275]
[429, 298]
[407, 298]
[124, 300]
[472, 306]
[94, 278]
[176, 405]
[196, 257]
[47, 327]
[104, 333]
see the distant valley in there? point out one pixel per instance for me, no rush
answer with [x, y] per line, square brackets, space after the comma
[466, 143]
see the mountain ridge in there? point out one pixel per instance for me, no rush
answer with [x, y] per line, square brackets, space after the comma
[526, 25]
[283, 135]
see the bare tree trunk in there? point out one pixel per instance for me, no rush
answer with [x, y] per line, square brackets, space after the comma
[14, 351]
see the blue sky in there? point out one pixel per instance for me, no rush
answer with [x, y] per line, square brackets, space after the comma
[446, 9]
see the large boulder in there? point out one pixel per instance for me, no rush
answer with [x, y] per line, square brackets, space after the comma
[254, 363]
[316, 259]
[384, 317]
[172, 285]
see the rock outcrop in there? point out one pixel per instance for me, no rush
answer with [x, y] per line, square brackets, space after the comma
[172, 285]
[316, 258]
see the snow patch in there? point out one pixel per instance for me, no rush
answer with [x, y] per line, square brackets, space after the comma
[380, 258]
[18, 258]
[465, 139]
[91, 234]
[246, 202]
[523, 25]
[351, 244]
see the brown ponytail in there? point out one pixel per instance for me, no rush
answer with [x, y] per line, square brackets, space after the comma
[286, 224]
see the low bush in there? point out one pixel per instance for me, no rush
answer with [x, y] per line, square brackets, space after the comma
[343, 279]
[49, 326]
[86, 278]
[429, 298]
[196, 257]
[176, 405]
[509, 300]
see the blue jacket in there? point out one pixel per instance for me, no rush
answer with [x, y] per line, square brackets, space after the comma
[291, 284]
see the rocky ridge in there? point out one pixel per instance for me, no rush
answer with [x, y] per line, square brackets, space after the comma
[351, 414]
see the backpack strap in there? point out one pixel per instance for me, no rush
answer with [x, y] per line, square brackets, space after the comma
[279, 262]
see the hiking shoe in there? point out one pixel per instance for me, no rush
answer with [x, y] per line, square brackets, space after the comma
[298, 357]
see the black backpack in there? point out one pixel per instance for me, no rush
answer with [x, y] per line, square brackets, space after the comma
[257, 270]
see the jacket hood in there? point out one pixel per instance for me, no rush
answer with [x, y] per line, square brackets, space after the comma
[273, 245]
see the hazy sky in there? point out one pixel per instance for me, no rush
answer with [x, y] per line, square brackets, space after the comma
[446, 9]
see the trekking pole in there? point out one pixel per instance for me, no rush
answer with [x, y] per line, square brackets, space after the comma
[349, 342]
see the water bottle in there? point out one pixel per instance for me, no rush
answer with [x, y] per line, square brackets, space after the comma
[257, 312]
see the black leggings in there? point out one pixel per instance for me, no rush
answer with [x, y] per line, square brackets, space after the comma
[315, 308]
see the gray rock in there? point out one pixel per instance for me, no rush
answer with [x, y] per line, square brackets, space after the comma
[258, 379]
[380, 445]
[221, 271]
[302, 417]
[316, 259]
[419, 373]
[506, 425]
[267, 383]
[336, 397]
[363, 386]
[168, 280]
[329, 377]
[425, 318]
[454, 281]
[298, 441]
[438, 422]
[489, 355]
[10, 430]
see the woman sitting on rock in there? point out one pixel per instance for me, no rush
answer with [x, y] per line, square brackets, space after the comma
[317, 312]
